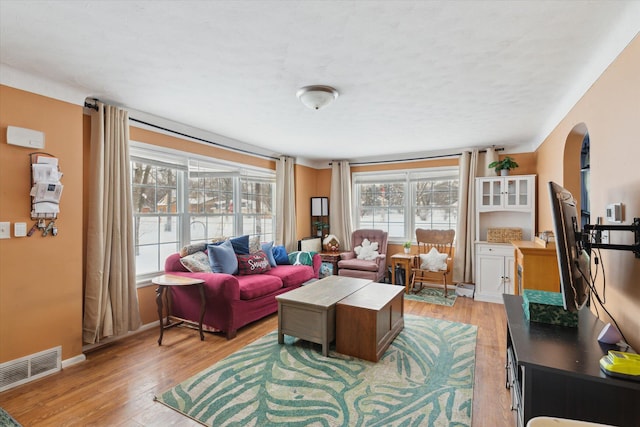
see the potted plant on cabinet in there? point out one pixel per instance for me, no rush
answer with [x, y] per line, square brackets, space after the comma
[503, 166]
[407, 247]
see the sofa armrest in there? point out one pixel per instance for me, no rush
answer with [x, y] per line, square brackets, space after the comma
[381, 260]
[347, 255]
[218, 286]
[317, 263]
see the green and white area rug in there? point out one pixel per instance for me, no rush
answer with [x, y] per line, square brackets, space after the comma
[434, 296]
[425, 378]
[7, 420]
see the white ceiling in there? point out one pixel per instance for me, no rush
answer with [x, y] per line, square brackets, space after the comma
[415, 77]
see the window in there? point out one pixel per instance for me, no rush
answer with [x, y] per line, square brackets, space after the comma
[156, 213]
[435, 200]
[399, 202]
[181, 198]
[211, 193]
[257, 209]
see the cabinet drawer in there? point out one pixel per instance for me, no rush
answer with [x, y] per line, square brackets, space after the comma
[501, 250]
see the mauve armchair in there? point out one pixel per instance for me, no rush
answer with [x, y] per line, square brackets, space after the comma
[375, 269]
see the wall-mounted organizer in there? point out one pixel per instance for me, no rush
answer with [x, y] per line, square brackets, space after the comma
[46, 190]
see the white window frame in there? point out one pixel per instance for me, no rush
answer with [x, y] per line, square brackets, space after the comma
[182, 160]
[406, 177]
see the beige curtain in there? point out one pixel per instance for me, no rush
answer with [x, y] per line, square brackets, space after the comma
[466, 227]
[286, 203]
[111, 299]
[340, 213]
[484, 160]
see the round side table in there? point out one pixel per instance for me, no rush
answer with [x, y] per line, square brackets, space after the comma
[167, 280]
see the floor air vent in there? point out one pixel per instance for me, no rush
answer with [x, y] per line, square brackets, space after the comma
[29, 368]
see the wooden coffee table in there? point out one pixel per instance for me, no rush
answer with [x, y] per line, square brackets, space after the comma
[368, 320]
[309, 311]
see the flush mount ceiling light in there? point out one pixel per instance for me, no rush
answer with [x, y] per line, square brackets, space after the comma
[317, 96]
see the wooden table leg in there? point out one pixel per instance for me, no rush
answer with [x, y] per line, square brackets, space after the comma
[394, 263]
[407, 278]
[202, 306]
[280, 334]
[159, 291]
[325, 334]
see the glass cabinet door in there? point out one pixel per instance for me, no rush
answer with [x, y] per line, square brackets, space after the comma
[496, 193]
[517, 192]
[491, 193]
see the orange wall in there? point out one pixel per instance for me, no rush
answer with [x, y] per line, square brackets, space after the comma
[526, 163]
[40, 277]
[310, 183]
[610, 111]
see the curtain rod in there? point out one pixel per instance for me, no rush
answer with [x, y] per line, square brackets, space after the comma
[413, 159]
[95, 107]
[241, 150]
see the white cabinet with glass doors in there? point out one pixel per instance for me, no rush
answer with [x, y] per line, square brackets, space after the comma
[506, 192]
[501, 202]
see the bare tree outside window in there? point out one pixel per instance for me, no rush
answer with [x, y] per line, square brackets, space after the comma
[401, 202]
[154, 190]
[195, 201]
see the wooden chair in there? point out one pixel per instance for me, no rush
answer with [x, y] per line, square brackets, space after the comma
[442, 241]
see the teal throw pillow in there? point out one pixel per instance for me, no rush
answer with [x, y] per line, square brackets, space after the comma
[301, 258]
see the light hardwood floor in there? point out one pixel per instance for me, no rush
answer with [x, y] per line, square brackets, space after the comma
[115, 386]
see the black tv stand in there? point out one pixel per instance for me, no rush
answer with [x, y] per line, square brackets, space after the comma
[554, 371]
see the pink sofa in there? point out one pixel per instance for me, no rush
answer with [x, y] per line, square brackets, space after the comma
[235, 301]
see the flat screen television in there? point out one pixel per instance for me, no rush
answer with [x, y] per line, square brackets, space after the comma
[573, 259]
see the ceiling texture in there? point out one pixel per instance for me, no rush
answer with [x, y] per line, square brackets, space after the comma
[416, 78]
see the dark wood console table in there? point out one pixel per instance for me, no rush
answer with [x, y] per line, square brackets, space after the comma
[554, 371]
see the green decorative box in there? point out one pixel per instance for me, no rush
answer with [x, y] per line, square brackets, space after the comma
[546, 307]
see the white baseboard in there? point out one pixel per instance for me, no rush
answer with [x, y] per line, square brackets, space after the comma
[73, 361]
[488, 298]
[145, 327]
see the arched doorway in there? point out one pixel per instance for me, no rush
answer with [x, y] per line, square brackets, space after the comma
[585, 169]
[574, 162]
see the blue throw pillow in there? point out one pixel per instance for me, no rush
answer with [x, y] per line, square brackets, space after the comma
[267, 249]
[280, 255]
[222, 258]
[240, 244]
